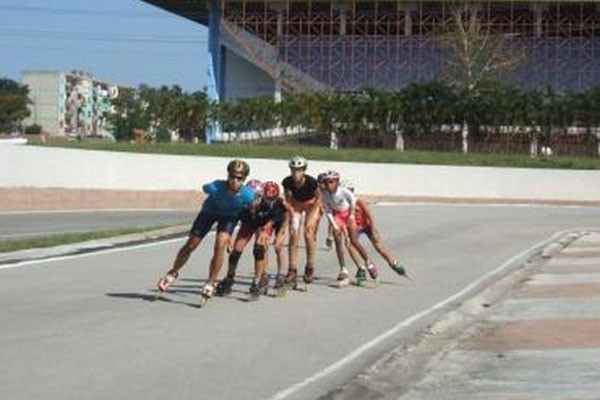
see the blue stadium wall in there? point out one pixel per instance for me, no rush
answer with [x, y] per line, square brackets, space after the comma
[262, 47]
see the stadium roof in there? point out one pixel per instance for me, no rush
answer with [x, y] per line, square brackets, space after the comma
[194, 10]
[197, 10]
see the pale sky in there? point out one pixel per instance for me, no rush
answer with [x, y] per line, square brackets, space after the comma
[119, 41]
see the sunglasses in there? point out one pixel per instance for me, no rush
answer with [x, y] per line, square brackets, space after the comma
[237, 178]
[328, 181]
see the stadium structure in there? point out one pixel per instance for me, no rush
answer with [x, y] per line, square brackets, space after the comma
[273, 47]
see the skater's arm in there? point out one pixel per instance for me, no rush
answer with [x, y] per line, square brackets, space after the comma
[351, 199]
[287, 205]
[331, 220]
[318, 197]
[211, 188]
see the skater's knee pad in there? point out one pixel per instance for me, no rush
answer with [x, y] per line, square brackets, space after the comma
[234, 257]
[259, 252]
[296, 220]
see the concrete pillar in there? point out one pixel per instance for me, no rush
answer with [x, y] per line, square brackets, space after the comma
[279, 8]
[343, 9]
[407, 9]
[214, 46]
[215, 71]
[538, 10]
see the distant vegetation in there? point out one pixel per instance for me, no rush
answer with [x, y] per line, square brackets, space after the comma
[484, 117]
[487, 117]
[13, 105]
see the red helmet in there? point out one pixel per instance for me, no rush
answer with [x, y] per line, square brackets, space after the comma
[256, 186]
[271, 190]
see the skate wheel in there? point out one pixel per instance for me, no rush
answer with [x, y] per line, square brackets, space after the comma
[202, 301]
[301, 288]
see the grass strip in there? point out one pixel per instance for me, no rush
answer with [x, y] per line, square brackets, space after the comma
[283, 152]
[66, 238]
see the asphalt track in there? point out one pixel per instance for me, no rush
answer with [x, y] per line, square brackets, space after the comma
[87, 327]
[27, 224]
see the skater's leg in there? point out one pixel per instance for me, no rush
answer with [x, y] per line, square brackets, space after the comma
[279, 239]
[202, 224]
[353, 237]
[377, 243]
[185, 252]
[225, 286]
[339, 247]
[216, 262]
[354, 254]
[241, 240]
[182, 257]
[225, 228]
[310, 225]
[329, 239]
[294, 234]
[261, 247]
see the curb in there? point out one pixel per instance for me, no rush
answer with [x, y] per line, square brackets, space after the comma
[395, 373]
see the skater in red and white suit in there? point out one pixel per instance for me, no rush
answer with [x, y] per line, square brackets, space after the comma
[340, 205]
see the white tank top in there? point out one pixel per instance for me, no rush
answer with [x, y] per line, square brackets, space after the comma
[341, 200]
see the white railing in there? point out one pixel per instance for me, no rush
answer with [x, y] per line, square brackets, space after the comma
[262, 134]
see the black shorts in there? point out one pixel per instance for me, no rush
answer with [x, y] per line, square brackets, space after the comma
[366, 230]
[205, 221]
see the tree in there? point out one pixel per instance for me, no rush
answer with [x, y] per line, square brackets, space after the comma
[476, 55]
[130, 114]
[427, 106]
[191, 115]
[13, 104]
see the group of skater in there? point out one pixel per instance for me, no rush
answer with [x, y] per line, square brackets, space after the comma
[263, 212]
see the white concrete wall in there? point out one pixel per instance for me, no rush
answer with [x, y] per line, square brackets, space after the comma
[32, 166]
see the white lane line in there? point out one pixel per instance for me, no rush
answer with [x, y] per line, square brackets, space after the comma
[516, 260]
[491, 204]
[89, 254]
[562, 308]
[563, 279]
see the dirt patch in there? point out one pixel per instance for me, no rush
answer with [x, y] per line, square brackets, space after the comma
[36, 199]
[27, 198]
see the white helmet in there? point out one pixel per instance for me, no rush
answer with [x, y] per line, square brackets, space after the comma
[298, 162]
[331, 174]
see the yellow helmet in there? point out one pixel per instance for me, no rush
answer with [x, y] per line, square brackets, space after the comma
[239, 167]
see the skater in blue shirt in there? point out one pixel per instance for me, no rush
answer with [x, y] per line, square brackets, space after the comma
[223, 206]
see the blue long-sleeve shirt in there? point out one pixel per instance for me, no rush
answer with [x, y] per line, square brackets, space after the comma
[222, 202]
